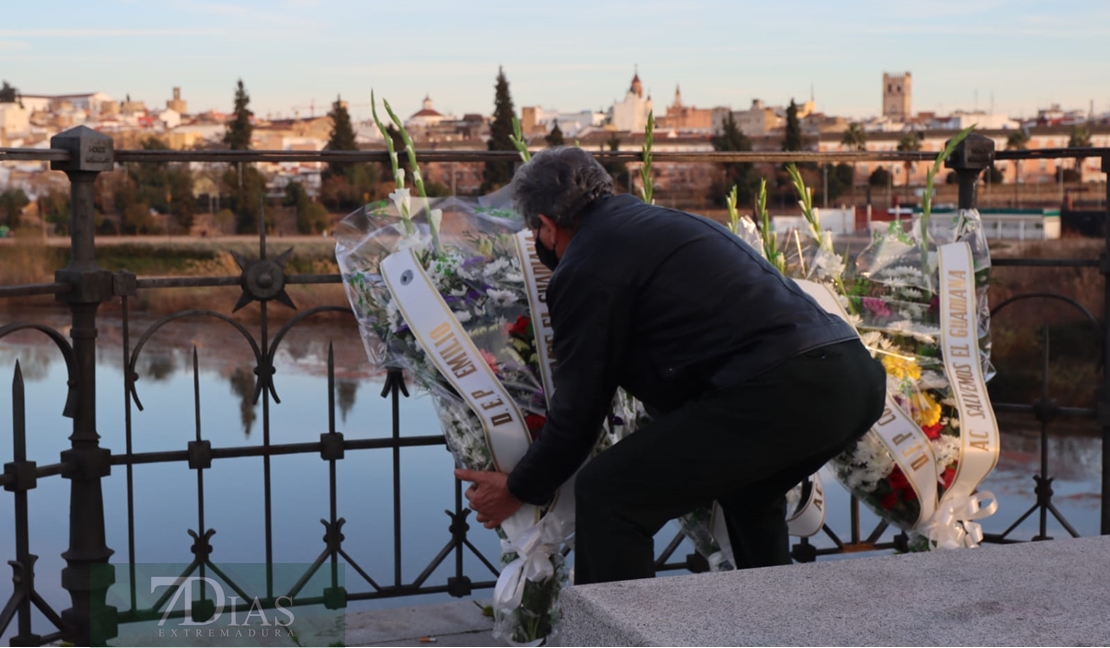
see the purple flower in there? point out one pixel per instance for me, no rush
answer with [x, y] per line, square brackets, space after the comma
[473, 261]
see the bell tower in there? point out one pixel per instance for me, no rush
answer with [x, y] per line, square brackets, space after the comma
[897, 95]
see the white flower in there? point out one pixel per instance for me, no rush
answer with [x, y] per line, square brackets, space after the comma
[462, 316]
[947, 450]
[401, 198]
[933, 380]
[501, 298]
[496, 266]
[435, 218]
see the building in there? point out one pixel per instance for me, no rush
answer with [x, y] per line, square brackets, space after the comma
[960, 120]
[15, 122]
[534, 120]
[177, 104]
[425, 118]
[631, 114]
[758, 120]
[89, 102]
[1038, 171]
[682, 118]
[897, 96]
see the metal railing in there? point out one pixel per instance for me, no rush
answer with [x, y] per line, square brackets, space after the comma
[83, 286]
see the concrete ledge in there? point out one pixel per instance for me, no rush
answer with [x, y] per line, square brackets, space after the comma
[1054, 593]
[456, 623]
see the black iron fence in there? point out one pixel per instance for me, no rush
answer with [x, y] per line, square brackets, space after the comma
[83, 286]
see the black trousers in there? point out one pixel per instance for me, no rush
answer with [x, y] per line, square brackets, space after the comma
[744, 446]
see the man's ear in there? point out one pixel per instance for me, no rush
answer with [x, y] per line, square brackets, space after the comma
[546, 220]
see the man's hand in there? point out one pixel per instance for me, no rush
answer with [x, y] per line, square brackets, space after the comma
[489, 496]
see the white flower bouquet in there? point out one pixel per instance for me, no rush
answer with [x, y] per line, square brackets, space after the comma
[918, 300]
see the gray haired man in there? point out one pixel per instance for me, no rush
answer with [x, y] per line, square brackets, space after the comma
[754, 385]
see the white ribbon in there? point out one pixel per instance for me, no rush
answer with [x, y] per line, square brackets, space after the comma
[979, 440]
[808, 518]
[534, 549]
[536, 278]
[460, 362]
[954, 525]
[900, 435]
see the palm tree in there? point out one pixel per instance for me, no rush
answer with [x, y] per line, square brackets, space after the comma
[1080, 138]
[1017, 141]
[909, 142]
[854, 138]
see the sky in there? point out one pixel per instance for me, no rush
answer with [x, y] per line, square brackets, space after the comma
[293, 55]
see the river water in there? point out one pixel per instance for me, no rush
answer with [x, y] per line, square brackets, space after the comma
[165, 494]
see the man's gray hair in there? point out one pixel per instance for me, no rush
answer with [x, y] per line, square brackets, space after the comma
[559, 182]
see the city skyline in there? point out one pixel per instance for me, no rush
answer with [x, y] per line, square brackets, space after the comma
[298, 55]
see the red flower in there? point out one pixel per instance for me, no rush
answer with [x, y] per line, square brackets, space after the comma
[520, 326]
[535, 424]
[889, 501]
[898, 479]
[948, 476]
[932, 431]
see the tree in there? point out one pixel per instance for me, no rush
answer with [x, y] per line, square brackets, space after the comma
[1017, 141]
[738, 174]
[136, 219]
[555, 137]
[359, 177]
[8, 94]
[244, 184]
[12, 203]
[167, 189]
[311, 217]
[880, 177]
[1080, 138]
[792, 136]
[500, 172]
[238, 134]
[993, 175]
[840, 178]
[909, 142]
[54, 207]
[245, 188]
[617, 170]
[854, 138]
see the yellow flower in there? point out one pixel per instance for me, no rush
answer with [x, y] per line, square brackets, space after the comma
[901, 368]
[485, 248]
[926, 410]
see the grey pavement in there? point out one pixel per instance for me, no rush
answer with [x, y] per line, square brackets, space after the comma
[1052, 593]
[456, 623]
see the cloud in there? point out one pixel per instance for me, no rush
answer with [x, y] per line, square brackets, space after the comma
[269, 15]
[100, 33]
[12, 45]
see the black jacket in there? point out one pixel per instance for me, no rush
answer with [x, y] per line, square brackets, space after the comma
[666, 305]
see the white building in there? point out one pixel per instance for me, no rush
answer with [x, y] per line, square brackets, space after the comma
[570, 123]
[426, 117]
[960, 120]
[89, 102]
[14, 121]
[631, 114]
[169, 119]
